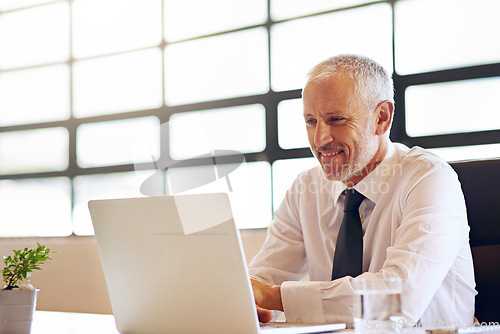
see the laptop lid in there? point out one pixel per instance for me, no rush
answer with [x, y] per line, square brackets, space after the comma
[175, 264]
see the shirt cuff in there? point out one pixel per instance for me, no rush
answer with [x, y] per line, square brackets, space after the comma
[302, 301]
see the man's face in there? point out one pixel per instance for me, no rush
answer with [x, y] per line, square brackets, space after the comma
[339, 129]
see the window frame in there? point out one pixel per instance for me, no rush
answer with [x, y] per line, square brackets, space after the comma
[269, 100]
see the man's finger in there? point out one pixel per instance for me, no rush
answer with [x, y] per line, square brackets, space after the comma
[264, 315]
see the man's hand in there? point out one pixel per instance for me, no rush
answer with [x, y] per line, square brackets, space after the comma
[264, 314]
[267, 298]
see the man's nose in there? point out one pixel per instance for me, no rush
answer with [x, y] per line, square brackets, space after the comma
[322, 135]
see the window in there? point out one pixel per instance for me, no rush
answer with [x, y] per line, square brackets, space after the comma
[34, 95]
[185, 19]
[457, 153]
[248, 186]
[207, 68]
[38, 150]
[297, 45]
[285, 172]
[118, 142]
[35, 207]
[446, 75]
[475, 110]
[129, 98]
[197, 133]
[101, 186]
[291, 130]
[104, 27]
[456, 33]
[35, 36]
[117, 83]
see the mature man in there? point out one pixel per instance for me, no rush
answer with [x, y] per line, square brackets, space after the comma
[412, 212]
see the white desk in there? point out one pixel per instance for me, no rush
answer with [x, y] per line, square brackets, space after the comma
[45, 322]
[72, 323]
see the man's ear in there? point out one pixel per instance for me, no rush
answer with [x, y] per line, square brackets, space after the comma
[382, 117]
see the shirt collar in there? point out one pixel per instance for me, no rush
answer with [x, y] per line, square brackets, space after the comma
[337, 190]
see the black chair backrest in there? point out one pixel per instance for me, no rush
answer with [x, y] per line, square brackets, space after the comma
[480, 181]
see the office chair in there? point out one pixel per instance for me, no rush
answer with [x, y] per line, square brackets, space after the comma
[480, 181]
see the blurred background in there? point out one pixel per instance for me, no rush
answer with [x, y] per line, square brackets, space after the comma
[99, 96]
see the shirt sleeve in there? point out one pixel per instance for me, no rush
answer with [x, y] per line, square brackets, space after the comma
[282, 256]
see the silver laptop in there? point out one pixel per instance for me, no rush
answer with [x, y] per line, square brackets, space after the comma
[175, 264]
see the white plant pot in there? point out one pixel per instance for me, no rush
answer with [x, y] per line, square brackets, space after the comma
[16, 310]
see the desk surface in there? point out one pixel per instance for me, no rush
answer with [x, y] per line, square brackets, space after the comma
[75, 323]
[79, 323]
[83, 323]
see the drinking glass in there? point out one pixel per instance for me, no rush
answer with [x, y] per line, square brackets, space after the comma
[377, 305]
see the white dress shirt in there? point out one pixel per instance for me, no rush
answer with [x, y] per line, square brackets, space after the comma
[414, 225]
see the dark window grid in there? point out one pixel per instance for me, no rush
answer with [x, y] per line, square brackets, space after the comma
[271, 153]
[399, 133]
[270, 100]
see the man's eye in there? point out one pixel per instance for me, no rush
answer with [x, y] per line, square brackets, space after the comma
[337, 119]
[310, 122]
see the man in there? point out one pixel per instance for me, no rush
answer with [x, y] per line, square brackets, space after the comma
[413, 215]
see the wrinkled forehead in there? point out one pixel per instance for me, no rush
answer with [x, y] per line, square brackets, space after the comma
[335, 94]
[331, 87]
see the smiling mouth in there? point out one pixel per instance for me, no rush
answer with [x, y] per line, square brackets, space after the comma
[329, 154]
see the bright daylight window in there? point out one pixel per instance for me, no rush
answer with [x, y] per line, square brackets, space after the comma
[127, 98]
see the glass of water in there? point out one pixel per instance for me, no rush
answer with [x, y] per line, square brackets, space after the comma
[377, 305]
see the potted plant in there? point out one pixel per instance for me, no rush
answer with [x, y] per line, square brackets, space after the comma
[18, 297]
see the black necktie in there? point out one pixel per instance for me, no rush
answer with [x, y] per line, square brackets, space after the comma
[348, 258]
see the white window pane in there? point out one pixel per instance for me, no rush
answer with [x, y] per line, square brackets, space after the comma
[433, 35]
[34, 95]
[106, 26]
[284, 9]
[285, 172]
[101, 186]
[198, 133]
[35, 207]
[34, 36]
[118, 142]
[291, 125]
[191, 18]
[125, 82]
[296, 46]
[31, 151]
[14, 4]
[434, 108]
[218, 67]
[248, 186]
[473, 152]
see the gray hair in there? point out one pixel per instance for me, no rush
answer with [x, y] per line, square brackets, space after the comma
[371, 81]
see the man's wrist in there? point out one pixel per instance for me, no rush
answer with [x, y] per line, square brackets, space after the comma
[274, 298]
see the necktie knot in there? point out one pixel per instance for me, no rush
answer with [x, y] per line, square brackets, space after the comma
[353, 200]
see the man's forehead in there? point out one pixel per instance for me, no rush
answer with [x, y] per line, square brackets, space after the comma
[324, 90]
[332, 83]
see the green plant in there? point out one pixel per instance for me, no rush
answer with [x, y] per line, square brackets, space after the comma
[18, 267]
